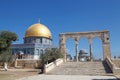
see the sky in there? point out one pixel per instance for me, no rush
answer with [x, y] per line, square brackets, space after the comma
[62, 16]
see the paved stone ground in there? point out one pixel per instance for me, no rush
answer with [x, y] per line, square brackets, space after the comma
[68, 77]
[75, 71]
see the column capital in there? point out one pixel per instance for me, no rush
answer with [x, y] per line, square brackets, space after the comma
[90, 41]
[76, 41]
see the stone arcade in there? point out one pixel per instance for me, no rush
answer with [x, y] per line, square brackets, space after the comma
[103, 35]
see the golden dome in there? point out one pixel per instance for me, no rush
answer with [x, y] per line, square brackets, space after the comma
[38, 30]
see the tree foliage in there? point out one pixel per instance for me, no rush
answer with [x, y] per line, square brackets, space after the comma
[6, 57]
[50, 55]
[6, 39]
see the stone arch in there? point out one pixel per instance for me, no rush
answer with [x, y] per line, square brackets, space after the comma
[70, 45]
[70, 38]
[104, 35]
[83, 46]
[97, 45]
[97, 37]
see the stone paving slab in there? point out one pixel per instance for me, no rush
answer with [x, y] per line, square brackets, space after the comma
[68, 77]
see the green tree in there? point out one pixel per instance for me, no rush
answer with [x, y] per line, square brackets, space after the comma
[6, 39]
[6, 57]
[49, 55]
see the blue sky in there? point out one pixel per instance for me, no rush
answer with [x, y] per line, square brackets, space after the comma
[64, 16]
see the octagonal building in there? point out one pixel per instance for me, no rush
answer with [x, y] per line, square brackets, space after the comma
[36, 39]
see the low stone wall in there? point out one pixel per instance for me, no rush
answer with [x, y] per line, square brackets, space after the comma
[52, 65]
[10, 64]
[112, 65]
[27, 63]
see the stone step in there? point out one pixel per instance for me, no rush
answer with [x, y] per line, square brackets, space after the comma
[79, 68]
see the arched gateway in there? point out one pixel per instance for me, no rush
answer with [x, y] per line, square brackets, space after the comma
[103, 35]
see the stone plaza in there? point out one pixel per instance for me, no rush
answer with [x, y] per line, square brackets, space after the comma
[68, 77]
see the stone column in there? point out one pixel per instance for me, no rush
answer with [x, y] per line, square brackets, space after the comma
[76, 47]
[91, 57]
[90, 46]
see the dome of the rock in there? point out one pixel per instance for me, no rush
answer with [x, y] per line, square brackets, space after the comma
[38, 30]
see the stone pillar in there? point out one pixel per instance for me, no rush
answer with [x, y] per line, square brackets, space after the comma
[91, 57]
[106, 50]
[63, 51]
[62, 43]
[76, 48]
[106, 45]
[90, 47]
